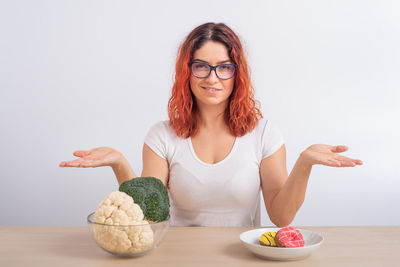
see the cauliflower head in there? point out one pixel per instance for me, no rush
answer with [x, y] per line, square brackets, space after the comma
[120, 213]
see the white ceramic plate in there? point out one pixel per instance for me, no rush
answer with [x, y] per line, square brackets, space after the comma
[250, 239]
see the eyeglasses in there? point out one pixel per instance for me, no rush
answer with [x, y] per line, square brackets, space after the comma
[202, 70]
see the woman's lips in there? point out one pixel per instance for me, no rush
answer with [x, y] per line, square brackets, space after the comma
[211, 90]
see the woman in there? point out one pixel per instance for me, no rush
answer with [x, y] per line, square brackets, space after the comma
[216, 151]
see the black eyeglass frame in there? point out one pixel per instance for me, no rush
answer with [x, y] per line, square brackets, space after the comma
[213, 68]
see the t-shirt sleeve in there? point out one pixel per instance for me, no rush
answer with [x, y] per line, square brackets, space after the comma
[156, 139]
[272, 139]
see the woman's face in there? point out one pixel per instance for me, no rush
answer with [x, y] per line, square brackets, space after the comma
[212, 90]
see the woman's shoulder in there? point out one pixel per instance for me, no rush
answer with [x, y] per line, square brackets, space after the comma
[160, 126]
[266, 137]
[260, 126]
[265, 124]
[163, 127]
[264, 127]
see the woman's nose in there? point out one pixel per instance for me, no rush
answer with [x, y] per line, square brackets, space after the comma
[213, 76]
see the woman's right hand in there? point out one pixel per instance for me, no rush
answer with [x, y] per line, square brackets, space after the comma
[101, 156]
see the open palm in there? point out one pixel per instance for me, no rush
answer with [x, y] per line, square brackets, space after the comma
[329, 156]
[101, 156]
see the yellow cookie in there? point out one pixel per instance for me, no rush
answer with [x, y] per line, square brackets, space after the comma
[268, 239]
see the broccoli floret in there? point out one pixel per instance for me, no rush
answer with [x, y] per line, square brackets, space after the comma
[150, 194]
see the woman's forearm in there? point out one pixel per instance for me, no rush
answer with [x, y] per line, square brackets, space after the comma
[290, 198]
[123, 170]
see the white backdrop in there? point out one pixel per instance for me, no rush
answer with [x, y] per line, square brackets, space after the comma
[81, 74]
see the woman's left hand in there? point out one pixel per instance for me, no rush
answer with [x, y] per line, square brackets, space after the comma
[328, 155]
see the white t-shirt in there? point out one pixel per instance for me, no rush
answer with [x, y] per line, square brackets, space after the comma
[223, 194]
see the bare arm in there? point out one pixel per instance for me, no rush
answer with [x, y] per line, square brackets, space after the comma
[154, 165]
[283, 194]
[123, 171]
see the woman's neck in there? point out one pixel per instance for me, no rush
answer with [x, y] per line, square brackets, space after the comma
[212, 117]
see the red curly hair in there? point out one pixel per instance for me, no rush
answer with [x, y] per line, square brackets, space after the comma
[242, 113]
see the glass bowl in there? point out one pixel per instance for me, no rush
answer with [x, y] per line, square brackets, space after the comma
[128, 240]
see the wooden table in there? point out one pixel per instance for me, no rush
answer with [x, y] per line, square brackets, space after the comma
[195, 246]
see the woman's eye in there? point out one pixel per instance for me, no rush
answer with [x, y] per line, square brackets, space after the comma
[226, 67]
[200, 66]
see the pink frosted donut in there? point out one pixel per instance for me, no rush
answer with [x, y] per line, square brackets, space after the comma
[289, 237]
